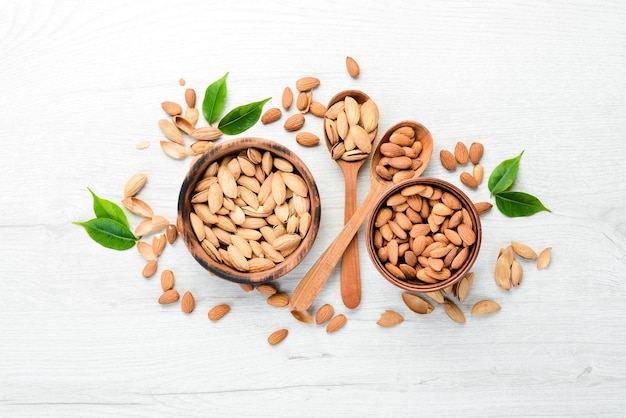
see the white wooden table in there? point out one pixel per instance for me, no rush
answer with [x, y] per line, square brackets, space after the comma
[81, 332]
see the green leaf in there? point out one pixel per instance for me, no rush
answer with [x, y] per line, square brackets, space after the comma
[106, 209]
[214, 98]
[504, 175]
[109, 233]
[242, 118]
[516, 204]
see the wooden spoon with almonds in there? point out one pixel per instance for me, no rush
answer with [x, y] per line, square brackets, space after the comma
[336, 130]
[313, 281]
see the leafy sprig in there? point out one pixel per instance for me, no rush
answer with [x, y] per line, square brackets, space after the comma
[110, 227]
[238, 120]
[512, 203]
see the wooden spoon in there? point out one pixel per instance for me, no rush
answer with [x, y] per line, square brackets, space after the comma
[350, 266]
[313, 281]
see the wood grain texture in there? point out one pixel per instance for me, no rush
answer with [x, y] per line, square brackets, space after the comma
[82, 333]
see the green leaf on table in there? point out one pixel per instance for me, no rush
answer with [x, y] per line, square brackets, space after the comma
[109, 233]
[242, 118]
[106, 209]
[214, 99]
[504, 175]
[516, 204]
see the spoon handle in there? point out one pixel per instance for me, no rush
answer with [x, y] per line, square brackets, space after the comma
[313, 281]
[350, 266]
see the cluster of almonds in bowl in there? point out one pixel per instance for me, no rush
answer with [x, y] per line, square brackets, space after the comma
[249, 210]
[423, 235]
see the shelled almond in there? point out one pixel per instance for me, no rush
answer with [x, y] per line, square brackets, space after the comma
[401, 156]
[423, 234]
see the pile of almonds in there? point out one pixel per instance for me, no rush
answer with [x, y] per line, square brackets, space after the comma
[461, 156]
[180, 123]
[508, 271]
[351, 128]
[250, 210]
[423, 234]
[394, 166]
[401, 156]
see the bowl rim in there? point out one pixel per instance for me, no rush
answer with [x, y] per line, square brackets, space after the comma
[196, 171]
[426, 287]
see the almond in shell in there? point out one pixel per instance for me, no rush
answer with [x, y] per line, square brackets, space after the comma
[543, 259]
[453, 311]
[389, 318]
[485, 307]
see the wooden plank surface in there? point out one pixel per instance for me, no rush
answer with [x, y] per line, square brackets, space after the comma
[81, 332]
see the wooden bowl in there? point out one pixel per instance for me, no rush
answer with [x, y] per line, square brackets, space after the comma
[414, 284]
[196, 173]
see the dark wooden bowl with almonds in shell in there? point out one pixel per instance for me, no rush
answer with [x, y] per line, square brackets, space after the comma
[249, 210]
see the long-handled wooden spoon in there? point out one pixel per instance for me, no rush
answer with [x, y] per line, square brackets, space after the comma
[313, 281]
[350, 266]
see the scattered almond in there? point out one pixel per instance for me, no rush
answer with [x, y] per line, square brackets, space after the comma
[485, 307]
[468, 180]
[217, 312]
[517, 272]
[523, 250]
[324, 313]
[417, 304]
[476, 152]
[336, 323]
[206, 133]
[353, 67]
[478, 173]
[190, 98]
[482, 207]
[277, 337]
[317, 109]
[271, 115]
[461, 155]
[167, 280]
[294, 122]
[307, 139]
[543, 259]
[174, 150]
[142, 145]
[146, 250]
[287, 98]
[267, 288]
[135, 184]
[172, 108]
[169, 296]
[187, 303]
[448, 161]
[246, 287]
[149, 269]
[453, 311]
[307, 83]
[171, 232]
[279, 299]
[170, 131]
[390, 318]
